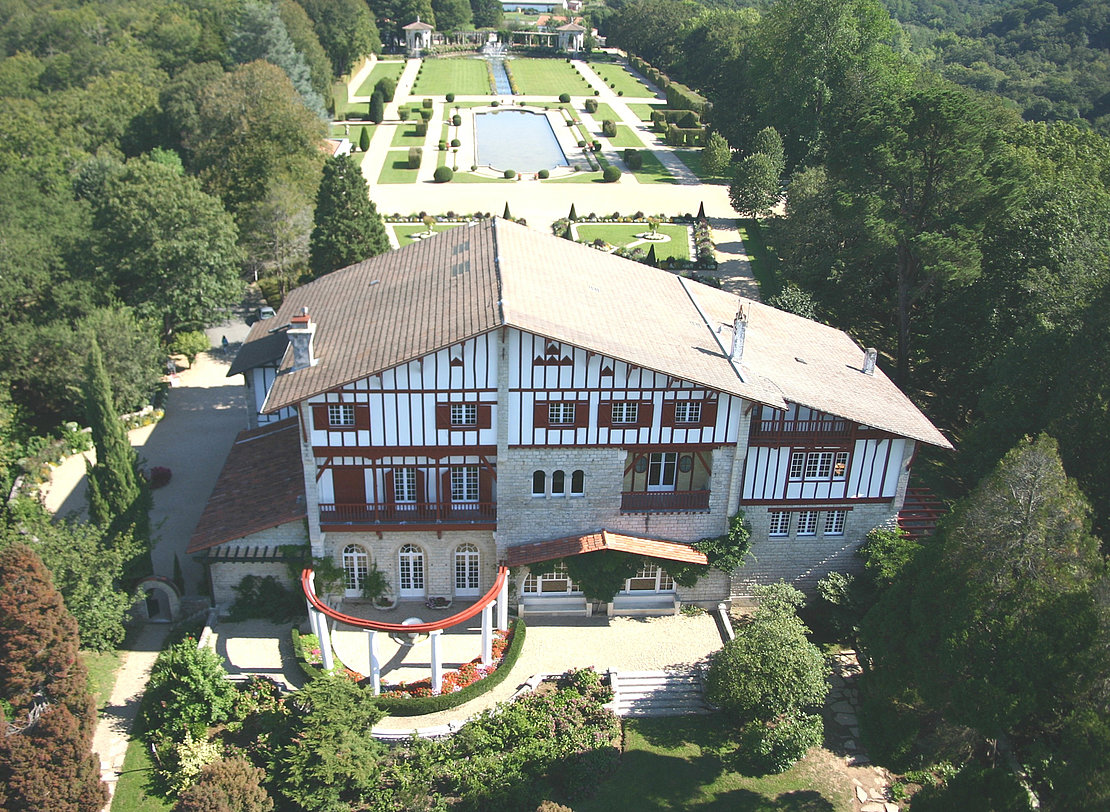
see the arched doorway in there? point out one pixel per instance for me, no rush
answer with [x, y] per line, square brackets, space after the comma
[466, 571]
[411, 569]
[356, 565]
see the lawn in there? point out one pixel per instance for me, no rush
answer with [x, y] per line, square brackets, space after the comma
[604, 111]
[689, 763]
[764, 260]
[338, 131]
[577, 177]
[653, 170]
[405, 135]
[643, 111]
[396, 168]
[625, 233]
[131, 794]
[692, 159]
[547, 77]
[625, 137]
[463, 76]
[620, 79]
[404, 231]
[102, 667]
[380, 71]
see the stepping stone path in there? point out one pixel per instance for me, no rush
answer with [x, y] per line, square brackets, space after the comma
[842, 732]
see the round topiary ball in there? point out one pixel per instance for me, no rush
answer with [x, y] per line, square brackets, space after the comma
[564, 97]
[456, 120]
[544, 174]
[611, 174]
[510, 173]
[443, 174]
[455, 142]
[450, 97]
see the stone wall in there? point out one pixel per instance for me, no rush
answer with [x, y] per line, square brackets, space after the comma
[226, 575]
[708, 591]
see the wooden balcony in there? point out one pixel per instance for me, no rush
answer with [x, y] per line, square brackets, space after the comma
[767, 431]
[664, 501]
[420, 514]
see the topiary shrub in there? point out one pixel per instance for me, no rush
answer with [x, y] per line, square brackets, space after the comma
[591, 105]
[377, 108]
[609, 128]
[403, 114]
[456, 142]
[442, 146]
[364, 140]
[386, 86]
[544, 174]
[456, 120]
[443, 174]
[426, 116]
[426, 104]
[414, 157]
[633, 159]
[564, 98]
[421, 128]
[611, 174]
[450, 97]
[510, 173]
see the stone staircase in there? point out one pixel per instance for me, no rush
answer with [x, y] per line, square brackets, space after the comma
[657, 693]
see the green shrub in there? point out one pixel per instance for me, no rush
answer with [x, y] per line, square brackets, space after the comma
[403, 114]
[230, 784]
[386, 87]
[591, 105]
[456, 120]
[414, 157]
[189, 343]
[425, 116]
[443, 174]
[183, 761]
[442, 146]
[450, 97]
[426, 103]
[609, 128]
[377, 108]
[775, 747]
[611, 174]
[421, 128]
[975, 788]
[510, 173]
[258, 597]
[187, 692]
[633, 159]
[544, 174]
[564, 97]
[364, 139]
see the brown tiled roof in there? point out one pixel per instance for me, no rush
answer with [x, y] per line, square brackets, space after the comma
[469, 280]
[261, 486]
[524, 554]
[261, 347]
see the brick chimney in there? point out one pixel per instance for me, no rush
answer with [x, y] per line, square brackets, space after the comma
[300, 339]
[870, 355]
[739, 329]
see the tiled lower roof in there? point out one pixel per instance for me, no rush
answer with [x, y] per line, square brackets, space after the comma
[261, 486]
[524, 554]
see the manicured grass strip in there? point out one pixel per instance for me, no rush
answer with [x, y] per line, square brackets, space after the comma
[624, 233]
[404, 231]
[692, 159]
[463, 76]
[339, 98]
[338, 131]
[621, 80]
[653, 170]
[547, 77]
[468, 177]
[689, 763]
[396, 169]
[643, 111]
[625, 137]
[577, 177]
[380, 71]
[102, 667]
[604, 111]
[131, 794]
[405, 135]
[762, 256]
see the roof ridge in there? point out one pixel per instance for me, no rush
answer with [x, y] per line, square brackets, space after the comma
[497, 274]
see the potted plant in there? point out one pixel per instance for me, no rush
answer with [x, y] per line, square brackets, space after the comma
[375, 588]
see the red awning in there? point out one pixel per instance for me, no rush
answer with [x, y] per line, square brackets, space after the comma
[524, 554]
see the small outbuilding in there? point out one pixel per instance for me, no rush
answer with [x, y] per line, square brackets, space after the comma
[572, 37]
[418, 37]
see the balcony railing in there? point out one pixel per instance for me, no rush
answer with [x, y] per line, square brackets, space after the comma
[794, 429]
[410, 513]
[664, 501]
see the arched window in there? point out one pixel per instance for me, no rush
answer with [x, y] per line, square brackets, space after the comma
[411, 568]
[356, 564]
[578, 483]
[539, 483]
[558, 483]
[466, 570]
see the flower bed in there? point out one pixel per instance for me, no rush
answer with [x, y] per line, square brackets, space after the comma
[453, 681]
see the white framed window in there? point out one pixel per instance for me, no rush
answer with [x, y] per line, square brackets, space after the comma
[466, 570]
[555, 581]
[578, 483]
[464, 414]
[661, 470]
[834, 522]
[625, 412]
[807, 523]
[404, 486]
[560, 413]
[539, 483]
[687, 412]
[558, 483]
[819, 465]
[356, 566]
[464, 483]
[341, 414]
[797, 464]
[779, 524]
[650, 578]
[840, 465]
[411, 568]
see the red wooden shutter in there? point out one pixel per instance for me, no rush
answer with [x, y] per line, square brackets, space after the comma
[582, 415]
[668, 413]
[445, 488]
[540, 415]
[709, 413]
[644, 413]
[421, 488]
[362, 418]
[443, 415]
[605, 414]
[388, 487]
[485, 415]
[349, 485]
[485, 486]
[320, 417]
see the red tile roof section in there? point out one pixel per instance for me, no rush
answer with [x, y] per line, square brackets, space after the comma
[524, 554]
[261, 486]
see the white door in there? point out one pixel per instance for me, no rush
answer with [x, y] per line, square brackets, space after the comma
[466, 571]
[411, 567]
[661, 471]
[356, 564]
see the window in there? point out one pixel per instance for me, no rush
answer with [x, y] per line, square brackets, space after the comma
[356, 566]
[687, 412]
[578, 483]
[411, 561]
[807, 523]
[661, 471]
[404, 485]
[650, 578]
[464, 483]
[625, 412]
[797, 464]
[341, 414]
[555, 581]
[560, 414]
[466, 570]
[834, 522]
[819, 465]
[779, 523]
[539, 483]
[840, 467]
[464, 414]
[558, 483]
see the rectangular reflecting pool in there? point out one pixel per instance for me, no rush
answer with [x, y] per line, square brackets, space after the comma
[517, 139]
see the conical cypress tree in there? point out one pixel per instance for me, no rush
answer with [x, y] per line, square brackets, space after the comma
[347, 226]
[364, 139]
[701, 211]
[505, 214]
[46, 758]
[651, 260]
[572, 216]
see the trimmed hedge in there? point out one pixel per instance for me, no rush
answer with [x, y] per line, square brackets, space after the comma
[611, 174]
[421, 128]
[509, 173]
[681, 97]
[685, 136]
[426, 103]
[443, 174]
[450, 97]
[609, 128]
[456, 120]
[591, 105]
[311, 670]
[414, 157]
[633, 159]
[418, 706]
[564, 98]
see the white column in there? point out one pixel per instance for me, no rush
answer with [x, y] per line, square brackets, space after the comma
[325, 643]
[503, 607]
[375, 662]
[437, 662]
[487, 634]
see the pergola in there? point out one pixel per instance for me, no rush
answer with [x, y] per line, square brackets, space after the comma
[319, 613]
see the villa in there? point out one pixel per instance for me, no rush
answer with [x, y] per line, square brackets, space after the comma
[493, 397]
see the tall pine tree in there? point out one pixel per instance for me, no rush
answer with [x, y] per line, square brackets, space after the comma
[47, 716]
[347, 227]
[118, 499]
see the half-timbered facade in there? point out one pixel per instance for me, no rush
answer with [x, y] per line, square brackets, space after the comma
[495, 395]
